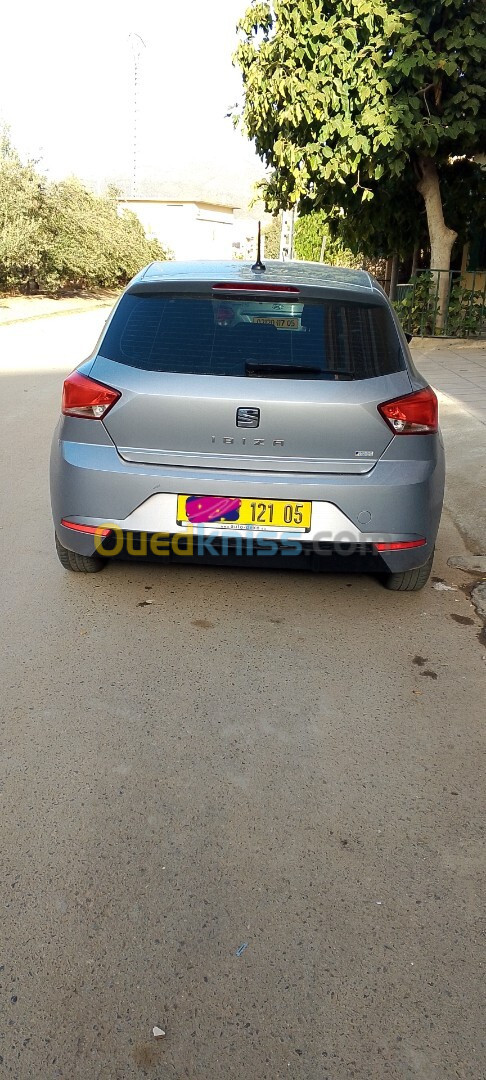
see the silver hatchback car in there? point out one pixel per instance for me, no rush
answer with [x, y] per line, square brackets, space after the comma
[232, 413]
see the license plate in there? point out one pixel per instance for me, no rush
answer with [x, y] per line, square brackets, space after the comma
[256, 514]
[278, 321]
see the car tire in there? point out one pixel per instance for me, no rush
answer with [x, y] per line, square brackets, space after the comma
[79, 564]
[410, 580]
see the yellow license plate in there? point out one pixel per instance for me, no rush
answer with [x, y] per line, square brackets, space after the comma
[228, 513]
[278, 321]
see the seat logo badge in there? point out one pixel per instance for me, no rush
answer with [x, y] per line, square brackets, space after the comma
[247, 418]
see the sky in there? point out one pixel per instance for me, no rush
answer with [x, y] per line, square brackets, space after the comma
[66, 89]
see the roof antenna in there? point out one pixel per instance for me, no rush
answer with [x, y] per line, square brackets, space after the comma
[258, 265]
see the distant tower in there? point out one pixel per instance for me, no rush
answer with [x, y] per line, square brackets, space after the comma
[137, 45]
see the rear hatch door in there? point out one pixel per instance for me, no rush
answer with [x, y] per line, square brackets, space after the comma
[251, 384]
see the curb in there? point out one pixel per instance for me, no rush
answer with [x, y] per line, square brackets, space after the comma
[57, 314]
[460, 343]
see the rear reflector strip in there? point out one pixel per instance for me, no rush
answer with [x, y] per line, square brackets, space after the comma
[249, 286]
[92, 530]
[400, 545]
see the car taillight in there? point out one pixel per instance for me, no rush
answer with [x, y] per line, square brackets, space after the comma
[413, 414]
[86, 398]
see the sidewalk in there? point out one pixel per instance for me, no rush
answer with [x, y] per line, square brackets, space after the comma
[15, 309]
[456, 367]
[457, 370]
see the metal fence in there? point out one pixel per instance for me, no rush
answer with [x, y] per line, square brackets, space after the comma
[443, 303]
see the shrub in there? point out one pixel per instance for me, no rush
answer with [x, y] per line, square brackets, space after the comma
[60, 234]
[418, 306]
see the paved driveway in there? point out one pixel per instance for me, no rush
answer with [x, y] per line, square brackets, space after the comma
[282, 761]
[456, 368]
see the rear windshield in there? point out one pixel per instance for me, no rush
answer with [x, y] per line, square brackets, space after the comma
[329, 339]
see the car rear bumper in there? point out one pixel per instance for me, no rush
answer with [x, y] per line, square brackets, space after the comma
[245, 550]
[399, 500]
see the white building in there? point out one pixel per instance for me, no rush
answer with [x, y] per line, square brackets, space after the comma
[191, 228]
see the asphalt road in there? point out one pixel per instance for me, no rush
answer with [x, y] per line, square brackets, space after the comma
[280, 760]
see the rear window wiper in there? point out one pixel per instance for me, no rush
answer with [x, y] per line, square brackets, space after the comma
[262, 368]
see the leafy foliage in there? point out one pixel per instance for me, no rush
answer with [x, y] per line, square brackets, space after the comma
[59, 234]
[395, 221]
[272, 235]
[22, 217]
[418, 308]
[466, 314]
[344, 98]
[309, 233]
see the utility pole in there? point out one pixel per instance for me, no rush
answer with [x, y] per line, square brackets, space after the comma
[137, 45]
[287, 235]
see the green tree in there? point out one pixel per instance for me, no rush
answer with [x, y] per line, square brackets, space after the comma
[88, 243]
[61, 234]
[394, 221]
[272, 234]
[22, 217]
[343, 94]
[313, 236]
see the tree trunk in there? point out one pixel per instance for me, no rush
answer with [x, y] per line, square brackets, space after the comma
[415, 259]
[394, 277]
[441, 237]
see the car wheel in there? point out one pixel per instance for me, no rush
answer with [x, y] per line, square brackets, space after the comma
[79, 564]
[410, 580]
